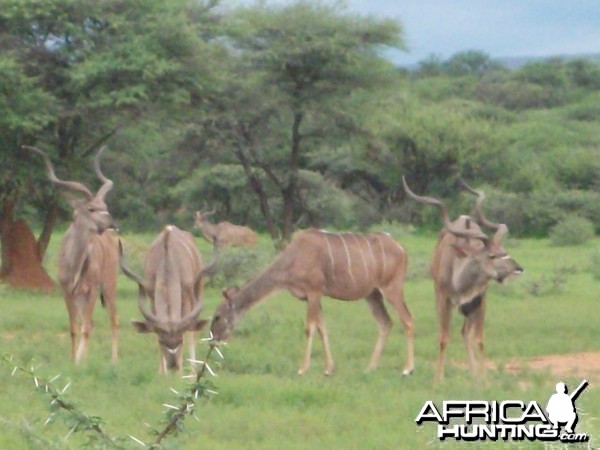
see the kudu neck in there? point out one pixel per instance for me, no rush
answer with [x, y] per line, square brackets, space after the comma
[255, 291]
[467, 275]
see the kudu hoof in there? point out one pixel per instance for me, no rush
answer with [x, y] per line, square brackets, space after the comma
[407, 372]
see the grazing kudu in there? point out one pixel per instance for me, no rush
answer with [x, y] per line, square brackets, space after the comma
[88, 260]
[464, 260]
[344, 266]
[173, 279]
[224, 234]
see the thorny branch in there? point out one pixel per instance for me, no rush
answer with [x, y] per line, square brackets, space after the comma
[79, 421]
[68, 411]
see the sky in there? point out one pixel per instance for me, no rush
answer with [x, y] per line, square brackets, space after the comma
[500, 28]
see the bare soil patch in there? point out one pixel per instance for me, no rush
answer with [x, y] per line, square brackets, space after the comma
[582, 365]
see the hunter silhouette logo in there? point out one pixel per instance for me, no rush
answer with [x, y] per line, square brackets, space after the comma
[561, 406]
[480, 420]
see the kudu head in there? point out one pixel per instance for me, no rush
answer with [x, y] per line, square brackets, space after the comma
[225, 316]
[90, 212]
[487, 259]
[202, 217]
[170, 334]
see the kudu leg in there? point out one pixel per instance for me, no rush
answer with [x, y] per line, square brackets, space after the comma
[473, 338]
[73, 325]
[326, 349]
[375, 301]
[110, 297]
[314, 320]
[87, 325]
[444, 316]
[394, 294]
[191, 342]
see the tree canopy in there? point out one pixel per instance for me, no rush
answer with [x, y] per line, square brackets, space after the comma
[281, 116]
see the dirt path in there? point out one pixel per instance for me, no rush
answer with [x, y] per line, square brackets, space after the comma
[582, 365]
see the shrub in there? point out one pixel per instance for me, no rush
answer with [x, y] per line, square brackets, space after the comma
[573, 230]
[235, 266]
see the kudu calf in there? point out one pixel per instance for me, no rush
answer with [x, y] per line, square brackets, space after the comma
[173, 279]
[224, 234]
[464, 260]
[88, 260]
[344, 266]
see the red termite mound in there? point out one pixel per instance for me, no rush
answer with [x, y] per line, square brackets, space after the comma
[21, 265]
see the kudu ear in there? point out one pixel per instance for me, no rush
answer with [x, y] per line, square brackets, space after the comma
[198, 325]
[229, 292]
[142, 327]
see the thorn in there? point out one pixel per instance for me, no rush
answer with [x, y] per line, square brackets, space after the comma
[69, 433]
[54, 379]
[212, 392]
[174, 391]
[219, 352]
[14, 371]
[171, 406]
[48, 420]
[210, 370]
[68, 385]
[136, 440]
[209, 338]
[188, 377]
[37, 383]
[195, 361]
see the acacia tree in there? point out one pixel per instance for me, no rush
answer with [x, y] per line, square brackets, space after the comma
[79, 71]
[302, 73]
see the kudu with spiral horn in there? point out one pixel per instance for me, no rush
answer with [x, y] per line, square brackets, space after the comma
[173, 279]
[224, 234]
[88, 259]
[463, 262]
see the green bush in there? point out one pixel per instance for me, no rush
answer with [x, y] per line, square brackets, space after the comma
[573, 230]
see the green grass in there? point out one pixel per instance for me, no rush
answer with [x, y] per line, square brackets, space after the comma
[263, 404]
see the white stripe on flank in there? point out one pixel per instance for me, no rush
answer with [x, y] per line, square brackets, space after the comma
[329, 249]
[371, 251]
[362, 256]
[348, 256]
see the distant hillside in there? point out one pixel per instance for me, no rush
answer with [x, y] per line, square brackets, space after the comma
[519, 61]
[510, 62]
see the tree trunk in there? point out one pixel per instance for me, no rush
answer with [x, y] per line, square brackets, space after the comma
[291, 190]
[46, 234]
[259, 190]
[21, 263]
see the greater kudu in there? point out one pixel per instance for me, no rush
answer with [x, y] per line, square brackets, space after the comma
[223, 234]
[344, 266]
[464, 260]
[173, 279]
[88, 260]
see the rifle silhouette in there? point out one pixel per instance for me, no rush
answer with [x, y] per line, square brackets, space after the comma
[579, 389]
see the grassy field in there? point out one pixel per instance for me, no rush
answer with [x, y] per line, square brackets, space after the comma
[263, 404]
